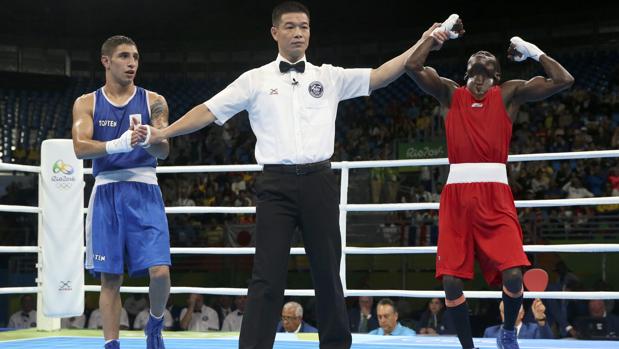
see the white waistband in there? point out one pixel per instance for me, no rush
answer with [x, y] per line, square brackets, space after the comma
[477, 172]
[146, 175]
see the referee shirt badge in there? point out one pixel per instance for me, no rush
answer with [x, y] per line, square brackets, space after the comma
[316, 89]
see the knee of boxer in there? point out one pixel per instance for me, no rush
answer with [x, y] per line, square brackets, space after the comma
[512, 280]
[159, 272]
[453, 287]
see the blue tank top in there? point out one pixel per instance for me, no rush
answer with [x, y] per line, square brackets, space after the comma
[111, 121]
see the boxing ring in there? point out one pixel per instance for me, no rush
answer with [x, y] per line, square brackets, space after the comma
[93, 339]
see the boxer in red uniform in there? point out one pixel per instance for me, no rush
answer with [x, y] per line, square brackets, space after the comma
[477, 217]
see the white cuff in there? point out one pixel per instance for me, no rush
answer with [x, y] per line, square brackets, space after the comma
[121, 144]
[448, 25]
[145, 143]
[526, 49]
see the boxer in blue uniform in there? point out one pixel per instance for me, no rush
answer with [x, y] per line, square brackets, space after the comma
[126, 222]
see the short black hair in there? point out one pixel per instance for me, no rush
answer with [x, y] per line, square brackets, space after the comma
[113, 42]
[287, 7]
[387, 301]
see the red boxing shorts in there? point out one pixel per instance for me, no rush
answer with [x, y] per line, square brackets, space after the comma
[478, 220]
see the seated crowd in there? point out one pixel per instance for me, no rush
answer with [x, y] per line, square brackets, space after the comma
[537, 319]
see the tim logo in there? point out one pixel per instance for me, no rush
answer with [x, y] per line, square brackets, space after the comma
[65, 286]
[99, 258]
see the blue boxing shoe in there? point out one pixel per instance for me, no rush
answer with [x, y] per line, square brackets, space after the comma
[113, 344]
[154, 340]
[507, 339]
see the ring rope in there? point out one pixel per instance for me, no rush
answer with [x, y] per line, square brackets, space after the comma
[348, 293]
[565, 248]
[352, 208]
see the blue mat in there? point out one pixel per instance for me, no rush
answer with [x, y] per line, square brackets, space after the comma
[290, 342]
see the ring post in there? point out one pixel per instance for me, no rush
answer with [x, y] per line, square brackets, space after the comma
[61, 235]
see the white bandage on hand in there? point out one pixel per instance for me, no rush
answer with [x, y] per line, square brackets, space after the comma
[526, 49]
[135, 121]
[447, 26]
[121, 144]
[145, 143]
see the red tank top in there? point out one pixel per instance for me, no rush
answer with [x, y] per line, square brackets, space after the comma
[477, 130]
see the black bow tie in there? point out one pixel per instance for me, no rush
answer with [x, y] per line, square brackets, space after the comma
[285, 67]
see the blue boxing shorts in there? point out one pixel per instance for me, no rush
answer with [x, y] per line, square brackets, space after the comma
[126, 223]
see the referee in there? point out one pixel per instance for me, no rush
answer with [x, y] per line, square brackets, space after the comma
[292, 106]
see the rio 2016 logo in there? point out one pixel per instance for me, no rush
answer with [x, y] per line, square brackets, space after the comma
[60, 166]
[62, 176]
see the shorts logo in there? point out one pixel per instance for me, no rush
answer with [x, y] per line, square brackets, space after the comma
[316, 89]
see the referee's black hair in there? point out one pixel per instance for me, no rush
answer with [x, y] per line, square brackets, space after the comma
[287, 7]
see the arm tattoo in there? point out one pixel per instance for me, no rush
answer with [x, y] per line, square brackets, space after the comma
[159, 114]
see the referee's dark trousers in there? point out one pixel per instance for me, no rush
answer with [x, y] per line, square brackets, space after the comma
[289, 196]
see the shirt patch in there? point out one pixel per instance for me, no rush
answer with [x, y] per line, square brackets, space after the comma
[316, 89]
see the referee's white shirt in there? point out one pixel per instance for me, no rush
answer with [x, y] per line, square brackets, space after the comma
[292, 114]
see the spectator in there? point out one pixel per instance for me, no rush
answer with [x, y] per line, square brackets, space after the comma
[575, 190]
[142, 318]
[435, 320]
[95, 321]
[363, 319]
[599, 324]
[613, 180]
[531, 330]
[197, 316]
[175, 311]
[223, 308]
[232, 322]
[292, 320]
[74, 322]
[26, 317]
[134, 304]
[388, 320]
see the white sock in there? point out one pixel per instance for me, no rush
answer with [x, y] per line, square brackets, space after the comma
[156, 317]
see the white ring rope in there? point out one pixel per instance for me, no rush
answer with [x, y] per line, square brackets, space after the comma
[209, 209]
[392, 293]
[351, 208]
[17, 290]
[388, 163]
[22, 168]
[564, 248]
[606, 200]
[348, 293]
[21, 209]
[416, 206]
[19, 249]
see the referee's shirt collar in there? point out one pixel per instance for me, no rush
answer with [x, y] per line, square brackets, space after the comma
[281, 58]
